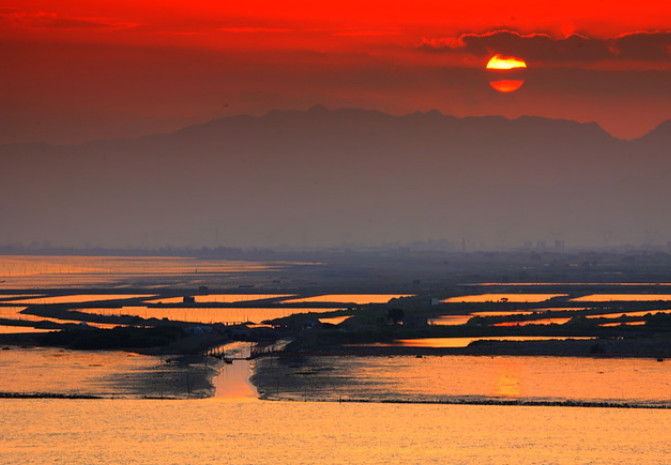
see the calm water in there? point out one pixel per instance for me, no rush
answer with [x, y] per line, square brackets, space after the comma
[207, 315]
[540, 321]
[503, 298]
[236, 428]
[623, 297]
[219, 298]
[626, 382]
[76, 298]
[359, 299]
[214, 431]
[30, 272]
[455, 342]
[113, 374]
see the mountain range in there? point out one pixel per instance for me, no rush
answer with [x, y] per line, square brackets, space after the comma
[335, 177]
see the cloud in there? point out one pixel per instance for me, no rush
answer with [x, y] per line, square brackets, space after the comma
[643, 46]
[46, 20]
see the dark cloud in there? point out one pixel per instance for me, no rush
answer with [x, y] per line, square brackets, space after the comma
[646, 46]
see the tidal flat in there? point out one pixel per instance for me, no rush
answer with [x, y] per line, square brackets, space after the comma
[332, 380]
[157, 307]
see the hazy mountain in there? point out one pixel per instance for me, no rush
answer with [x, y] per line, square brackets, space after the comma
[322, 177]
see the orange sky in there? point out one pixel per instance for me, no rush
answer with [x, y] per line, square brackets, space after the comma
[77, 70]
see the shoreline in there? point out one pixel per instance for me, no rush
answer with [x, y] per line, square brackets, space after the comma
[497, 402]
[649, 348]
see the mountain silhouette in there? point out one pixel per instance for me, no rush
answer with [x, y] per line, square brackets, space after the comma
[328, 177]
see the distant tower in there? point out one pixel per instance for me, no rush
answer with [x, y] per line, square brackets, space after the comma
[559, 245]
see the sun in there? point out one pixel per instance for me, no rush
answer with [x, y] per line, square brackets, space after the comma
[502, 62]
[506, 85]
[507, 70]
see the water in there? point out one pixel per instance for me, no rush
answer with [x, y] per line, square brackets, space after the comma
[539, 321]
[483, 298]
[236, 428]
[76, 298]
[359, 299]
[112, 374]
[33, 272]
[456, 342]
[533, 380]
[622, 298]
[207, 315]
[218, 298]
[208, 432]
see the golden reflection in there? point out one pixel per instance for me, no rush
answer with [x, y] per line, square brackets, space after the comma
[13, 313]
[101, 325]
[630, 314]
[30, 272]
[561, 309]
[458, 342]
[540, 321]
[78, 298]
[317, 433]
[625, 323]
[20, 265]
[503, 298]
[336, 320]
[622, 297]
[63, 371]
[232, 382]
[360, 299]
[218, 298]
[449, 320]
[516, 312]
[455, 378]
[507, 380]
[206, 315]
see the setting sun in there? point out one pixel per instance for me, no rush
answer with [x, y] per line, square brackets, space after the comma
[507, 70]
[506, 85]
[503, 62]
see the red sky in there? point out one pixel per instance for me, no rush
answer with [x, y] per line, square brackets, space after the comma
[77, 70]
